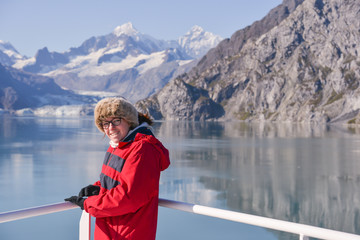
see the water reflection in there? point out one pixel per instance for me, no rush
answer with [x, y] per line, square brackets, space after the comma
[300, 173]
[42, 158]
[296, 172]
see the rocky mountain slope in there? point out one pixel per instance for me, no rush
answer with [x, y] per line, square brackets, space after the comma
[125, 61]
[299, 63]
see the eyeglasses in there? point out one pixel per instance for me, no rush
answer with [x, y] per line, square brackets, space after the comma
[114, 122]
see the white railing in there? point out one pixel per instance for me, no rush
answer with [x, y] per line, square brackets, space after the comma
[35, 211]
[304, 231]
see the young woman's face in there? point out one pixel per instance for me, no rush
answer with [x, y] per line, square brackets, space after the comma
[115, 128]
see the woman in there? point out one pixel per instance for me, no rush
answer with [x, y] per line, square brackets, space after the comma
[125, 200]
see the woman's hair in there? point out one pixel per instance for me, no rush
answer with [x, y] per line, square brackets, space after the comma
[115, 107]
[144, 117]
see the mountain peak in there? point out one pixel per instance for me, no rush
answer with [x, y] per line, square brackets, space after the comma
[6, 46]
[196, 29]
[8, 54]
[126, 29]
[197, 41]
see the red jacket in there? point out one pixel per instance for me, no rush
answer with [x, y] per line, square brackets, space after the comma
[127, 205]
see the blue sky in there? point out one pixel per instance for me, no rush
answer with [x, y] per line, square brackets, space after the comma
[59, 25]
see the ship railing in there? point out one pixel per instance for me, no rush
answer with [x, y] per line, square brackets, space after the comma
[304, 231]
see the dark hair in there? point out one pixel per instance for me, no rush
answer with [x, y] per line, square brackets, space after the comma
[144, 117]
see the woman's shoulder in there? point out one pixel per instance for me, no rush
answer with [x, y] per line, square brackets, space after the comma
[142, 138]
[148, 140]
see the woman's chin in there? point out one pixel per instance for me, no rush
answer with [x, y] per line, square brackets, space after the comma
[114, 138]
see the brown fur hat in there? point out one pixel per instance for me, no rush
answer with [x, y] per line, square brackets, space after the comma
[115, 107]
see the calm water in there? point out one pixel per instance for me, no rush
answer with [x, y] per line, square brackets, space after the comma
[300, 173]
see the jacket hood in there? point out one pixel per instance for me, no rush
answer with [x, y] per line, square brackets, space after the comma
[164, 153]
[143, 128]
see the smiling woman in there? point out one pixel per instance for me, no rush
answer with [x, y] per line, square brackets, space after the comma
[125, 199]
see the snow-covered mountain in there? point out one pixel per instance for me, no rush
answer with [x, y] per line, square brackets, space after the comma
[125, 61]
[8, 54]
[197, 42]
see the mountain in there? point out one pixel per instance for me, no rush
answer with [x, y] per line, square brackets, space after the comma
[8, 54]
[125, 61]
[300, 63]
[197, 42]
[22, 93]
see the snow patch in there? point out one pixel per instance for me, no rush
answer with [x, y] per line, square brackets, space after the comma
[183, 62]
[100, 94]
[22, 63]
[106, 68]
[154, 60]
[58, 111]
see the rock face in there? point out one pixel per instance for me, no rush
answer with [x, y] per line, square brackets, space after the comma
[299, 63]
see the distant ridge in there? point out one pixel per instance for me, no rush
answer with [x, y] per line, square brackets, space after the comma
[19, 89]
[22, 93]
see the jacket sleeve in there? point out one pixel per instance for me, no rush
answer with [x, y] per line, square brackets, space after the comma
[97, 183]
[139, 183]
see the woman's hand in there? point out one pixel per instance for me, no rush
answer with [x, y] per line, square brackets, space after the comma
[89, 190]
[76, 200]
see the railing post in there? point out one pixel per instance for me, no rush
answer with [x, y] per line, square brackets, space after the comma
[85, 226]
[303, 237]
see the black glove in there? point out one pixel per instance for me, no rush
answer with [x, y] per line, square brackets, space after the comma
[90, 190]
[76, 200]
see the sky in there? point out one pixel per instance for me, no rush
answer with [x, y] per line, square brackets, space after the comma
[30, 25]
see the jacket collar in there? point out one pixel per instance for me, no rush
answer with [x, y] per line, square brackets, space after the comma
[143, 128]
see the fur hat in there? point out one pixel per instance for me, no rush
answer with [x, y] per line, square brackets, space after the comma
[115, 107]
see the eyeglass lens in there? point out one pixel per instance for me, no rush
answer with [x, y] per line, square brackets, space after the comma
[114, 122]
